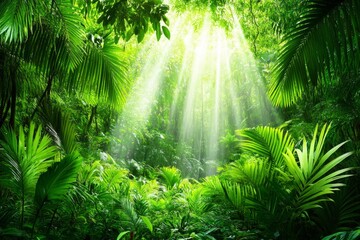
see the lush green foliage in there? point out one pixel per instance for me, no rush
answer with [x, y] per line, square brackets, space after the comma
[323, 44]
[65, 174]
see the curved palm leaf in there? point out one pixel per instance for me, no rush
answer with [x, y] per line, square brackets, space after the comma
[60, 128]
[113, 177]
[314, 174]
[325, 39]
[350, 235]
[269, 204]
[267, 142]
[226, 191]
[56, 181]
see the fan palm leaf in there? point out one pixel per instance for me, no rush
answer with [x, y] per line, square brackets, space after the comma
[324, 39]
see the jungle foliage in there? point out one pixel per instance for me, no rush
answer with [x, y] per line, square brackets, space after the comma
[64, 78]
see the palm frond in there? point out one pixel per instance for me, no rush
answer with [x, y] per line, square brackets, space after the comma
[349, 235]
[253, 172]
[60, 127]
[315, 175]
[226, 191]
[61, 37]
[129, 218]
[236, 193]
[113, 177]
[171, 176]
[340, 214]
[267, 142]
[24, 158]
[325, 38]
[103, 73]
[17, 17]
[72, 32]
[197, 201]
[56, 181]
[269, 205]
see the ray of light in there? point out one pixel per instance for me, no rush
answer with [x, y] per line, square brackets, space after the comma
[216, 86]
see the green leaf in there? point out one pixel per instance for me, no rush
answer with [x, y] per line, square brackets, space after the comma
[268, 142]
[103, 73]
[141, 35]
[321, 43]
[122, 234]
[166, 32]
[147, 222]
[17, 18]
[158, 31]
[56, 181]
[166, 20]
[129, 34]
[314, 176]
[24, 158]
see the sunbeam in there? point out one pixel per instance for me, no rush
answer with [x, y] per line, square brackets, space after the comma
[216, 87]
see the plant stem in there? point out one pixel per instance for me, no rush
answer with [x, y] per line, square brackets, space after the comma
[36, 217]
[45, 93]
[51, 222]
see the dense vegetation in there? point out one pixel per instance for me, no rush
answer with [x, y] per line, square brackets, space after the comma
[66, 172]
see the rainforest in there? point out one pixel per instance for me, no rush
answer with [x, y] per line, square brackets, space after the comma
[180, 119]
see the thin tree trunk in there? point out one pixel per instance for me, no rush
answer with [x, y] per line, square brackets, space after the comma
[92, 116]
[46, 93]
[13, 100]
[5, 113]
[51, 222]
